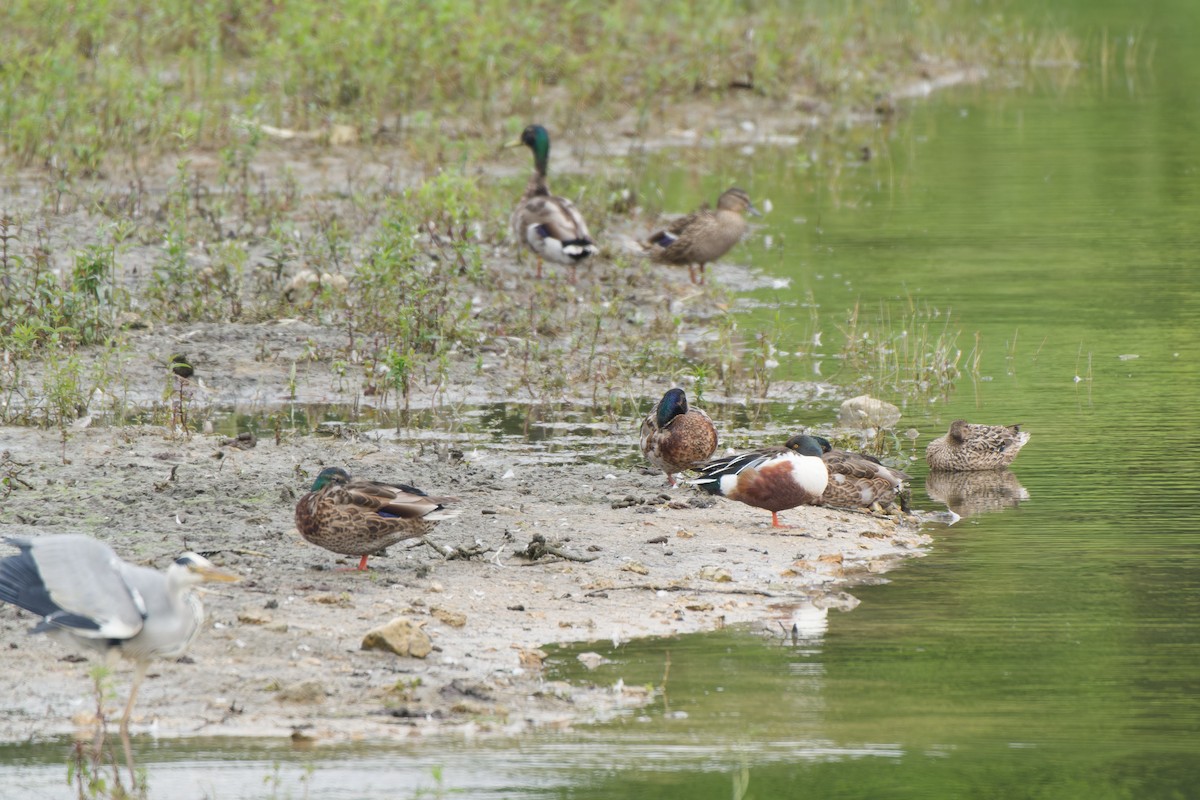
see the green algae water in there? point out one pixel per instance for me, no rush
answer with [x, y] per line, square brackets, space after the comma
[1049, 645]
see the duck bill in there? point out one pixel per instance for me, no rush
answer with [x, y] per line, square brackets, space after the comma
[754, 210]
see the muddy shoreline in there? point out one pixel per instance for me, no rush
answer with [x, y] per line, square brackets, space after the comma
[281, 653]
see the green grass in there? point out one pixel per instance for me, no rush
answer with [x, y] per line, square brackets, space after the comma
[102, 95]
[102, 82]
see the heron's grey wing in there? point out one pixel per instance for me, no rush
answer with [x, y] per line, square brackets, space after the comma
[79, 581]
[20, 583]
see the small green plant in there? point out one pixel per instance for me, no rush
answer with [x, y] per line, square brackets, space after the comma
[39, 309]
[124, 86]
[65, 392]
[913, 355]
[177, 391]
[405, 689]
[93, 769]
[173, 287]
[439, 789]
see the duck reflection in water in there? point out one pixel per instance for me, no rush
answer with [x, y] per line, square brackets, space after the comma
[971, 493]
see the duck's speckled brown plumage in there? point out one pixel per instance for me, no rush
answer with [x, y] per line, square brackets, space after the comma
[548, 225]
[981, 491]
[675, 437]
[357, 517]
[702, 236]
[773, 478]
[859, 480]
[971, 447]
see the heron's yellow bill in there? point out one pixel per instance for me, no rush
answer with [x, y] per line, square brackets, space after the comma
[214, 574]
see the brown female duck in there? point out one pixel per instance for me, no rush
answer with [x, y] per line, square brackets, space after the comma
[970, 447]
[357, 517]
[703, 235]
[548, 225]
[773, 478]
[859, 480]
[676, 437]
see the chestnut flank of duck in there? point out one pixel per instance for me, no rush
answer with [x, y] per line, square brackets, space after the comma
[772, 478]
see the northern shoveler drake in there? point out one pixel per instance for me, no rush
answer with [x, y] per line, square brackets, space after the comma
[548, 225]
[858, 479]
[773, 478]
[702, 236]
[970, 447]
[676, 437]
[357, 517]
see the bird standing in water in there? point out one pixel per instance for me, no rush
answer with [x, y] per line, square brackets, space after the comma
[88, 597]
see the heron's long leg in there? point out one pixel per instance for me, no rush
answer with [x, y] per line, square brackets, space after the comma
[139, 675]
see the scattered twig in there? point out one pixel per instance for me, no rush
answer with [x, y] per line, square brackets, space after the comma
[243, 441]
[235, 550]
[538, 548]
[457, 553]
[10, 474]
[158, 487]
[650, 587]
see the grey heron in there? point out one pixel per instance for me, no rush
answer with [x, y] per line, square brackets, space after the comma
[89, 597]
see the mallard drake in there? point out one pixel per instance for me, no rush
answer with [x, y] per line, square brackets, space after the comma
[357, 517]
[858, 479]
[969, 447]
[676, 437]
[703, 235]
[774, 478]
[548, 225]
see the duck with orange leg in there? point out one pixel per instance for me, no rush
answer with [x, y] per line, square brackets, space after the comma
[773, 478]
[702, 236]
[547, 224]
[358, 517]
